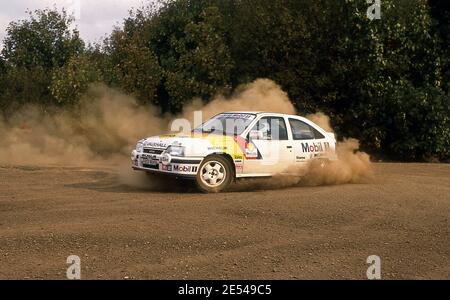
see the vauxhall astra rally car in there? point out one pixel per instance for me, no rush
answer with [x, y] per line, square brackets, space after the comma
[235, 145]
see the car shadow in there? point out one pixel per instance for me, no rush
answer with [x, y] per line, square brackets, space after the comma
[141, 182]
[115, 183]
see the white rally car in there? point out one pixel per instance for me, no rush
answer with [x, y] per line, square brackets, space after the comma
[235, 145]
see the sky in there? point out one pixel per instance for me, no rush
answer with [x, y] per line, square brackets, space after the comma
[94, 18]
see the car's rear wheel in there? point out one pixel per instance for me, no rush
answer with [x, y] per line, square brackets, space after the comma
[215, 174]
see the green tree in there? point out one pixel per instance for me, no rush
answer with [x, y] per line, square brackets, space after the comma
[2, 81]
[2, 66]
[72, 80]
[135, 67]
[203, 64]
[440, 12]
[21, 86]
[405, 72]
[187, 39]
[33, 48]
[271, 39]
[44, 40]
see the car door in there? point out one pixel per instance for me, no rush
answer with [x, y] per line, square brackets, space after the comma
[272, 149]
[307, 141]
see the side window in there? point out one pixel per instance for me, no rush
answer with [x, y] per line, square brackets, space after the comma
[317, 134]
[270, 128]
[302, 131]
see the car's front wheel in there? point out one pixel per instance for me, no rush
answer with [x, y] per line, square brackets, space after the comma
[215, 174]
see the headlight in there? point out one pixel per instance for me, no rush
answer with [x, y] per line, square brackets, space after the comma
[175, 150]
[140, 147]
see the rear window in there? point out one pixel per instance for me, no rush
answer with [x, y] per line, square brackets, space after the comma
[303, 131]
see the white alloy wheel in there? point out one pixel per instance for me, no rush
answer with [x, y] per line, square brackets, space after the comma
[213, 173]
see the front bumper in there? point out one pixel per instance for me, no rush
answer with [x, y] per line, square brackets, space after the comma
[178, 166]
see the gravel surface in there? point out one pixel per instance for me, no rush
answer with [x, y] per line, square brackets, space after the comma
[121, 232]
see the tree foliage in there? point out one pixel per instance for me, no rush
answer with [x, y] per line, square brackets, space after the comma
[204, 61]
[135, 67]
[43, 40]
[33, 49]
[72, 80]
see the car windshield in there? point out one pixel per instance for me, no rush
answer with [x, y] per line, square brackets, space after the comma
[227, 124]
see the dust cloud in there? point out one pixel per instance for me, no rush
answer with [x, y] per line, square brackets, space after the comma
[350, 166]
[105, 126]
[262, 95]
[322, 120]
[101, 129]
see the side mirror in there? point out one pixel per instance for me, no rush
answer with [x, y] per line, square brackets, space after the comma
[256, 135]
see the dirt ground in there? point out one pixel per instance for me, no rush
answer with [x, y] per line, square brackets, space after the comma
[49, 213]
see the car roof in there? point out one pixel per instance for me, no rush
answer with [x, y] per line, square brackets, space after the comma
[261, 113]
[265, 113]
[242, 112]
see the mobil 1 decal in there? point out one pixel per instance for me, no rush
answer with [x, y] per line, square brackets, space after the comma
[315, 147]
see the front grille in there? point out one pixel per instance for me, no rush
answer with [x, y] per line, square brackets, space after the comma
[154, 167]
[153, 151]
[185, 161]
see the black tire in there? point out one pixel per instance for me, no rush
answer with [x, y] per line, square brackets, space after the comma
[214, 183]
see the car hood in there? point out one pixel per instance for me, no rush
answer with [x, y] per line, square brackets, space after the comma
[197, 144]
[164, 141]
